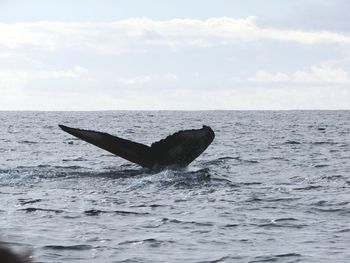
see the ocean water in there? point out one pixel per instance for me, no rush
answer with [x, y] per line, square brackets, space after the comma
[272, 187]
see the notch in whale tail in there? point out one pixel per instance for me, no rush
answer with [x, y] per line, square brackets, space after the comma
[179, 149]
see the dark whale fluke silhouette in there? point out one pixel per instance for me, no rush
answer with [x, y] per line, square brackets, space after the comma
[179, 149]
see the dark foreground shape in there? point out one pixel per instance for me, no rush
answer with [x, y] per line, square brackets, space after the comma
[179, 149]
[8, 256]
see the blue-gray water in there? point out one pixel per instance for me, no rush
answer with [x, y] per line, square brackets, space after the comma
[273, 187]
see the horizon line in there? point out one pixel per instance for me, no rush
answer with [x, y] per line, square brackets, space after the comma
[189, 110]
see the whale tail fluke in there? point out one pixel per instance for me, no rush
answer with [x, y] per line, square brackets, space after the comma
[132, 151]
[179, 149]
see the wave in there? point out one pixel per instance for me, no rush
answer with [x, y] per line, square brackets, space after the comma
[307, 188]
[282, 225]
[292, 142]
[321, 165]
[176, 221]
[179, 178]
[285, 219]
[34, 209]
[23, 201]
[27, 142]
[132, 179]
[153, 242]
[270, 199]
[221, 160]
[222, 259]
[74, 160]
[324, 143]
[72, 247]
[96, 212]
[275, 258]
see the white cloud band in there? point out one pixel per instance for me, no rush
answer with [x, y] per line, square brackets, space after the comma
[142, 32]
[316, 74]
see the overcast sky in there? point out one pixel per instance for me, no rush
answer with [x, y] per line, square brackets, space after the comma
[182, 55]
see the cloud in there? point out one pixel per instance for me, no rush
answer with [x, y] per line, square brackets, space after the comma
[264, 76]
[313, 15]
[322, 75]
[147, 79]
[316, 74]
[5, 54]
[14, 78]
[13, 85]
[217, 63]
[141, 33]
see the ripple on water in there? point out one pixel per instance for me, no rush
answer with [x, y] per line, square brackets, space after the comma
[27, 142]
[152, 242]
[71, 247]
[292, 142]
[35, 209]
[23, 201]
[96, 212]
[283, 224]
[176, 221]
[277, 258]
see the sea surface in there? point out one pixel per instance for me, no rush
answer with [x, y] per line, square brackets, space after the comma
[272, 187]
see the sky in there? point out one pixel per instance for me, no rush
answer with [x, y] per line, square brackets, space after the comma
[174, 55]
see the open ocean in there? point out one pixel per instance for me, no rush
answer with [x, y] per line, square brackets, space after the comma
[274, 186]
